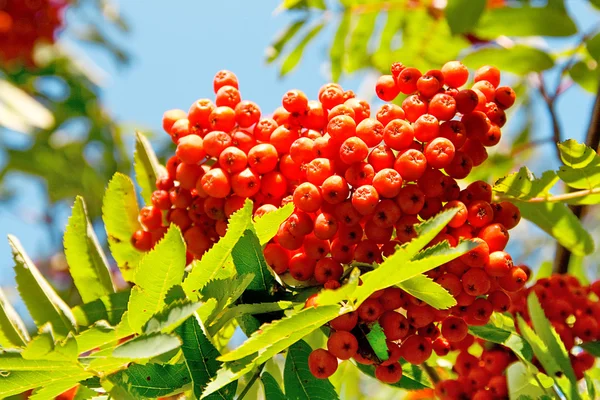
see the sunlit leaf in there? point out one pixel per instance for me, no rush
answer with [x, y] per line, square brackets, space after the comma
[283, 38]
[585, 76]
[266, 226]
[424, 288]
[338, 46]
[146, 165]
[13, 332]
[533, 21]
[581, 169]
[293, 58]
[504, 337]
[146, 346]
[377, 340]
[519, 59]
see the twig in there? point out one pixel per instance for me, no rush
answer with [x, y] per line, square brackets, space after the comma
[559, 198]
[251, 382]
[530, 144]
[431, 372]
[563, 256]
[556, 132]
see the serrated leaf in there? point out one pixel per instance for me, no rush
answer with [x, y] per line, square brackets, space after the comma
[173, 315]
[519, 59]
[544, 271]
[280, 334]
[17, 382]
[87, 263]
[100, 334]
[227, 375]
[266, 226]
[540, 350]
[45, 347]
[463, 15]
[582, 165]
[377, 340]
[159, 270]
[533, 21]
[424, 288]
[592, 347]
[413, 377]
[557, 220]
[504, 337]
[13, 332]
[109, 308]
[120, 215]
[283, 37]
[146, 346]
[335, 296]
[152, 380]
[16, 362]
[248, 258]
[200, 357]
[271, 387]
[146, 165]
[521, 382]
[53, 390]
[294, 57]
[300, 383]
[43, 303]
[546, 332]
[207, 268]
[247, 309]
[338, 46]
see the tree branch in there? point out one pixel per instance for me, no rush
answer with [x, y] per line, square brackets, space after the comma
[550, 104]
[432, 373]
[563, 256]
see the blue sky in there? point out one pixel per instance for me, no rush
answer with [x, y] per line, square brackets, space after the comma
[178, 46]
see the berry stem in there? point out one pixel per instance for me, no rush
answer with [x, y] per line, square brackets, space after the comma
[563, 256]
[431, 372]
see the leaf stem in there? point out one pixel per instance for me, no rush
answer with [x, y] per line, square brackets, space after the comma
[559, 197]
[550, 104]
[251, 381]
[431, 372]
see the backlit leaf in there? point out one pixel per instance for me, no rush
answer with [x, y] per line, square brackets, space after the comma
[146, 346]
[533, 21]
[462, 15]
[424, 288]
[13, 332]
[147, 167]
[248, 258]
[294, 57]
[581, 169]
[519, 59]
[266, 226]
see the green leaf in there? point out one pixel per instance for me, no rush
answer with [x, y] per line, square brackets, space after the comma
[120, 214]
[212, 262]
[224, 292]
[283, 37]
[424, 288]
[504, 337]
[585, 75]
[591, 387]
[592, 347]
[463, 15]
[228, 375]
[335, 296]
[519, 59]
[266, 226]
[523, 185]
[557, 220]
[533, 21]
[413, 377]
[272, 389]
[377, 339]
[16, 362]
[595, 3]
[146, 346]
[521, 382]
[540, 349]
[294, 57]
[246, 309]
[338, 46]
[169, 318]
[18, 382]
[43, 303]
[109, 308]
[582, 165]
[147, 167]
[280, 334]
[100, 334]
[53, 390]
[200, 357]
[87, 262]
[159, 270]
[549, 336]
[45, 347]
[300, 383]
[358, 46]
[248, 258]
[13, 332]
[544, 271]
[593, 46]
[152, 380]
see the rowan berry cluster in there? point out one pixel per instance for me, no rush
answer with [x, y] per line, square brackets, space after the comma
[572, 308]
[23, 23]
[479, 378]
[359, 184]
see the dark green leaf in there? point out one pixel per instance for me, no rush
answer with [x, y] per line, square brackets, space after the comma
[152, 380]
[120, 214]
[171, 316]
[377, 340]
[272, 389]
[43, 303]
[87, 262]
[585, 76]
[283, 38]
[248, 258]
[294, 57]
[338, 46]
[532, 21]
[200, 356]
[299, 382]
[504, 337]
[592, 347]
[413, 377]
[519, 59]
[463, 15]
[593, 46]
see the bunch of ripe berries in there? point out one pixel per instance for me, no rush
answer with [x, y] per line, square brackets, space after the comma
[23, 23]
[359, 184]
